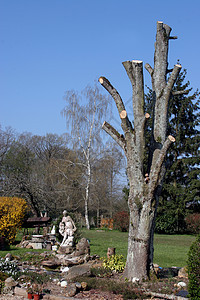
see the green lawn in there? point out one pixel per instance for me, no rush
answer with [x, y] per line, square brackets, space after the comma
[172, 250]
[169, 250]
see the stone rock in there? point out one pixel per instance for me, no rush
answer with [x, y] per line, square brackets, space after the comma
[82, 247]
[86, 258]
[181, 284]
[23, 244]
[52, 264]
[67, 260]
[135, 280]
[75, 271]
[71, 290]
[78, 285]
[183, 273]
[10, 282]
[9, 290]
[29, 246]
[64, 269]
[9, 257]
[65, 249]
[20, 292]
[63, 283]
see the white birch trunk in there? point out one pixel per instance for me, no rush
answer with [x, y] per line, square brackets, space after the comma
[87, 189]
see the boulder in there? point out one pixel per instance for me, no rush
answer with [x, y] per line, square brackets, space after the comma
[183, 273]
[181, 284]
[10, 282]
[65, 249]
[75, 271]
[63, 283]
[20, 292]
[82, 247]
[51, 264]
[71, 290]
[9, 257]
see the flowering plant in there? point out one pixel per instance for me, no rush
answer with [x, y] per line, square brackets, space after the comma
[8, 267]
[12, 212]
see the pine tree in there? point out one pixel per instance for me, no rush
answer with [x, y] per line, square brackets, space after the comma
[181, 188]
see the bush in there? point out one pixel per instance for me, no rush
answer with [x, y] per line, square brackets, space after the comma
[12, 213]
[121, 221]
[193, 223]
[165, 224]
[114, 263]
[169, 223]
[194, 270]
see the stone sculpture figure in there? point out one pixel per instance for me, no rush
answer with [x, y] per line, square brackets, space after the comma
[67, 229]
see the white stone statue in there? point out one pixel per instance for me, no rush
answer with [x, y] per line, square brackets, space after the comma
[67, 229]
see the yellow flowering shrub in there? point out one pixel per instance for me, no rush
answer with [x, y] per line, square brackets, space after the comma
[12, 213]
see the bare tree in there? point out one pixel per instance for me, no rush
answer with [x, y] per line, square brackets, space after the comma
[84, 124]
[145, 185]
[6, 139]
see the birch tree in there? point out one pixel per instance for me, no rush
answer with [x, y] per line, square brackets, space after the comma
[83, 113]
[145, 185]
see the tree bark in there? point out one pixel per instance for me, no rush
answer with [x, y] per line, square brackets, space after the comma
[144, 190]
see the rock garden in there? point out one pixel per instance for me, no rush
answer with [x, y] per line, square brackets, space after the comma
[67, 270]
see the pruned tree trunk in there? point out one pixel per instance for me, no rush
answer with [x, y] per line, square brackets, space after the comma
[144, 187]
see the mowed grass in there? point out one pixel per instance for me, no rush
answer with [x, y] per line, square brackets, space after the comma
[172, 250]
[169, 250]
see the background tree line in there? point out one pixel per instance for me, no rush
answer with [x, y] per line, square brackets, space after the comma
[180, 195]
[57, 172]
[81, 171]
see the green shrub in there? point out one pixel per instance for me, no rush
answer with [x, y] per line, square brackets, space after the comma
[168, 223]
[114, 263]
[121, 221]
[193, 223]
[194, 270]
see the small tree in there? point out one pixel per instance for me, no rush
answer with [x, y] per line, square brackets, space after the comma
[83, 120]
[145, 184]
[12, 213]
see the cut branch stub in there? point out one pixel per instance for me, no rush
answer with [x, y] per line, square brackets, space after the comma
[173, 38]
[171, 138]
[123, 114]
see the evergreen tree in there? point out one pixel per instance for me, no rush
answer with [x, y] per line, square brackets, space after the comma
[181, 188]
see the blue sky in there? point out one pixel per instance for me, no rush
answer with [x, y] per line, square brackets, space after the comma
[50, 46]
